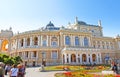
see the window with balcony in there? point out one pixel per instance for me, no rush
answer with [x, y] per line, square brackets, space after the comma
[67, 40]
[77, 41]
[86, 44]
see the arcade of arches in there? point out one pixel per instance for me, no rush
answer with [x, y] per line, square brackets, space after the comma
[83, 58]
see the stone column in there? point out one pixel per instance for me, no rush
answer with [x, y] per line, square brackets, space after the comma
[91, 60]
[18, 44]
[77, 58]
[69, 56]
[50, 41]
[87, 58]
[109, 46]
[89, 42]
[24, 42]
[96, 44]
[65, 57]
[41, 40]
[64, 40]
[37, 54]
[47, 40]
[80, 58]
[31, 41]
[97, 60]
[58, 38]
[31, 54]
[72, 41]
[105, 46]
[38, 40]
[100, 58]
[82, 41]
[23, 55]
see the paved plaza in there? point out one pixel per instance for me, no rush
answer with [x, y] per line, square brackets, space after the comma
[34, 72]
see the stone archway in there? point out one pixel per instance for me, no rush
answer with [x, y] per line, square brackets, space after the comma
[73, 58]
[84, 58]
[4, 46]
[93, 57]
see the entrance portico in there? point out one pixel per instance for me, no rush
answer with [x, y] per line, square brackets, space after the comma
[81, 57]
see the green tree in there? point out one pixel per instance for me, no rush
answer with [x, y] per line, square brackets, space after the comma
[10, 60]
[17, 59]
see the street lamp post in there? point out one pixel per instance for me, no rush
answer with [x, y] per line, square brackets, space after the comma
[42, 63]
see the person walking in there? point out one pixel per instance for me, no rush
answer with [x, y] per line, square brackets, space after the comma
[21, 72]
[2, 71]
[14, 71]
[114, 68]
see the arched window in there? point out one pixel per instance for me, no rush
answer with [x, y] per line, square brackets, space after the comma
[77, 41]
[28, 41]
[67, 40]
[86, 42]
[35, 40]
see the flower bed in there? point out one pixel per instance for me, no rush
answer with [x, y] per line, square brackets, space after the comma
[81, 74]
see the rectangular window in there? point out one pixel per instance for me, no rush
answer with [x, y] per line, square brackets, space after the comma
[54, 54]
[54, 44]
[26, 54]
[43, 55]
[44, 43]
[34, 53]
[20, 54]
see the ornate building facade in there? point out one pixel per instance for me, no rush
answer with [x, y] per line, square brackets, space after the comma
[78, 43]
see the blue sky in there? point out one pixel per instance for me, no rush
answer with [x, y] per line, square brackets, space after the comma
[25, 15]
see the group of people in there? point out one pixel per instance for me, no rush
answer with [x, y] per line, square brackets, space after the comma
[115, 67]
[13, 71]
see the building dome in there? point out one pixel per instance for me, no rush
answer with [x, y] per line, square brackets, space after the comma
[50, 24]
[82, 23]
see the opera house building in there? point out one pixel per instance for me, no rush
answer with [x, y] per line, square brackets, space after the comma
[77, 43]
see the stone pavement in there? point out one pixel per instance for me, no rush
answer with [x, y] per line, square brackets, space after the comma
[34, 72]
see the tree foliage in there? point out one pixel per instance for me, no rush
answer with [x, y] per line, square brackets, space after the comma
[10, 60]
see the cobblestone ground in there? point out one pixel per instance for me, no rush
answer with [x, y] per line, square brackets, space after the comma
[34, 72]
